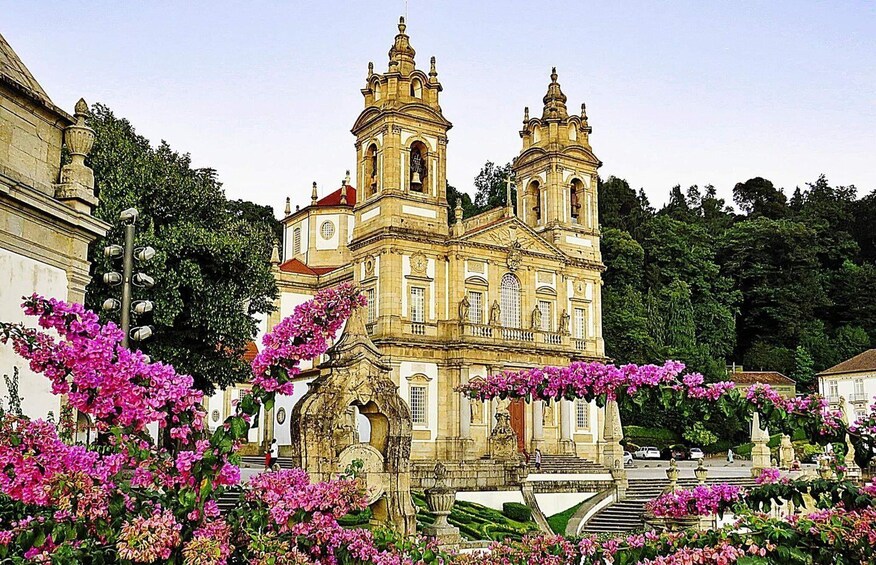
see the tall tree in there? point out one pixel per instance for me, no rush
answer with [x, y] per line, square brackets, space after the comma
[211, 269]
[620, 207]
[804, 368]
[454, 195]
[490, 185]
[758, 197]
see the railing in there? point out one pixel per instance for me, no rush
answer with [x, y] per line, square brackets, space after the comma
[833, 400]
[859, 397]
[418, 328]
[517, 334]
[369, 328]
[580, 344]
[553, 339]
[479, 330]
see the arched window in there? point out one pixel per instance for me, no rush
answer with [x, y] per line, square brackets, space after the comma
[416, 88]
[371, 169]
[377, 90]
[509, 291]
[534, 193]
[419, 170]
[576, 196]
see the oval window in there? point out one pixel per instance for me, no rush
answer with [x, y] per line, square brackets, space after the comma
[327, 229]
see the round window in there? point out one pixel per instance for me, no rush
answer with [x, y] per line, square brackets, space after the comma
[281, 415]
[327, 229]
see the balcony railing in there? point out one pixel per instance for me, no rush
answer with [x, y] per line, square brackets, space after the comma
[479, 330]
[522, 335]
[859, 398]
[833, 399]
[580, 344]
[516, 334]
[418, 328]
[552, 338]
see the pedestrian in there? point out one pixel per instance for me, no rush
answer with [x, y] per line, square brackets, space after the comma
[730, 455]
[537, 459]
[274, 453]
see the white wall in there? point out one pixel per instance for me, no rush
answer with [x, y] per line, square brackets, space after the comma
[21, 276]
[552, 503]
[334, 241]
[491, 498]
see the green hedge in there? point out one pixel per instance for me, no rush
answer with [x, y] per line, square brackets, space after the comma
[638, 436]
[517, 511]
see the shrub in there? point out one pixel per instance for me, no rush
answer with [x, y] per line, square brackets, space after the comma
[658, 437]
[517, 511]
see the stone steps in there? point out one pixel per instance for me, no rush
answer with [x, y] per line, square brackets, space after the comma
[626, 515]
[566, 464]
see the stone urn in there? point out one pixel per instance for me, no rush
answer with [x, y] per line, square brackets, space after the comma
[672, 475]
[440, 499]
[679, 523]
[701, 473]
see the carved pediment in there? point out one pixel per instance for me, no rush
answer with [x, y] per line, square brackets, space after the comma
[513, 237]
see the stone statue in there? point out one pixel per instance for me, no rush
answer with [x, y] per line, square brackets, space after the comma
[503, 439]
[564, 323]
[786, 452]
[464, 306]
[536, 319]
[477, 408]
[495, 314]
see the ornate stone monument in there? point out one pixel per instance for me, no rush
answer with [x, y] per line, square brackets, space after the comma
[786, 453]
[356, 375]
[503, 439]
[760, 453]
[612, 434]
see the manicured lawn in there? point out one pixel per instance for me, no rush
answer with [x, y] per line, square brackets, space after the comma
[559, 521]
[476, 522]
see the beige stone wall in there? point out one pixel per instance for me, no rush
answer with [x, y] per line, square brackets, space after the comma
[30, 141]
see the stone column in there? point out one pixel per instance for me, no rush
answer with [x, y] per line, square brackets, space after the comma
[612, 434]
[537, 424]
[567, 446]
[464, 407]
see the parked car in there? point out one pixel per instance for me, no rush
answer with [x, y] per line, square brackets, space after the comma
[677, 452]
[696, 453]
[628, 458]
[647, 453]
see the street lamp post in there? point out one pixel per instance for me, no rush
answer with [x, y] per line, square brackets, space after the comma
[127, 278]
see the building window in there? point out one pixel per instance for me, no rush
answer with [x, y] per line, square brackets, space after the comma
[859, 386]
[372, 305]
[327, 229]
[416, 88]
[476, 307]
[834, 389]
[509, 291]
[582, 414]
[296, 241]
[418, 405]
[547, 315]
[579, 323]
[418, 304]
[535, 200]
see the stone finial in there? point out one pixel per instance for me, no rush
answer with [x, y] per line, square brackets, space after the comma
[432, 71]
[554, 100]
[509, 206]
[313, 196]
[275, 255]
[344, 190]
[583, 111]
[76, 186]
[457, 211]
[401, 55]
[347, 177]
[288, 206]
[370, 69]
[526, 113]
[401, 24]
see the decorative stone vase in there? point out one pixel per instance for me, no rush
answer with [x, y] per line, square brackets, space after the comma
[440, 501]
[679, 523]
[701, 473]
[672, 475]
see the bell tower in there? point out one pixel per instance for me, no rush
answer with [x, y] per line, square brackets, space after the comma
[401, 143]
[556, 176]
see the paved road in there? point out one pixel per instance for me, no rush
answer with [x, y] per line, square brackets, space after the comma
[718, 467]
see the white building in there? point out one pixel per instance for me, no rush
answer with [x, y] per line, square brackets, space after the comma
[852, 382]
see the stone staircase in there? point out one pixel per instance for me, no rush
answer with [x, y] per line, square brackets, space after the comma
[566, 465]
[228, 500]
[626, 515]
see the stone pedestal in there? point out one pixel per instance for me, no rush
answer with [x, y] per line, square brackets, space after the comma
[612, 433]
[679, 524]
[760, 453]
[503, 439]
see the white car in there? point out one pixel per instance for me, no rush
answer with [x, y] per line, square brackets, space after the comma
[647, 453]
[628, 458]
[696, 453]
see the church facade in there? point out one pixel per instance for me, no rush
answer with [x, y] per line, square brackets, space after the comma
[449, 302]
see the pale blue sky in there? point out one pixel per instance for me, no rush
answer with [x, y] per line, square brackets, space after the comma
[677, 92]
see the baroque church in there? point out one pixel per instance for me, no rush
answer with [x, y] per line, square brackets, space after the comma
[452, 301]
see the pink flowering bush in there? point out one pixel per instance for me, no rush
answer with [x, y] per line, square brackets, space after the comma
[702, 500]
[145, 501]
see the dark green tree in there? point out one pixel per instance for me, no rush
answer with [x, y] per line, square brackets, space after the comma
[211, 269]
[468, 207]
[490, 188]
[804, 368]
[758, 197]
[620, 207]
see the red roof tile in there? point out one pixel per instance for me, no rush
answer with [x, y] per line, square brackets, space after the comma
[865, 361]
[334, 199]
[250, 352]
[296, 266]
[772, 378]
